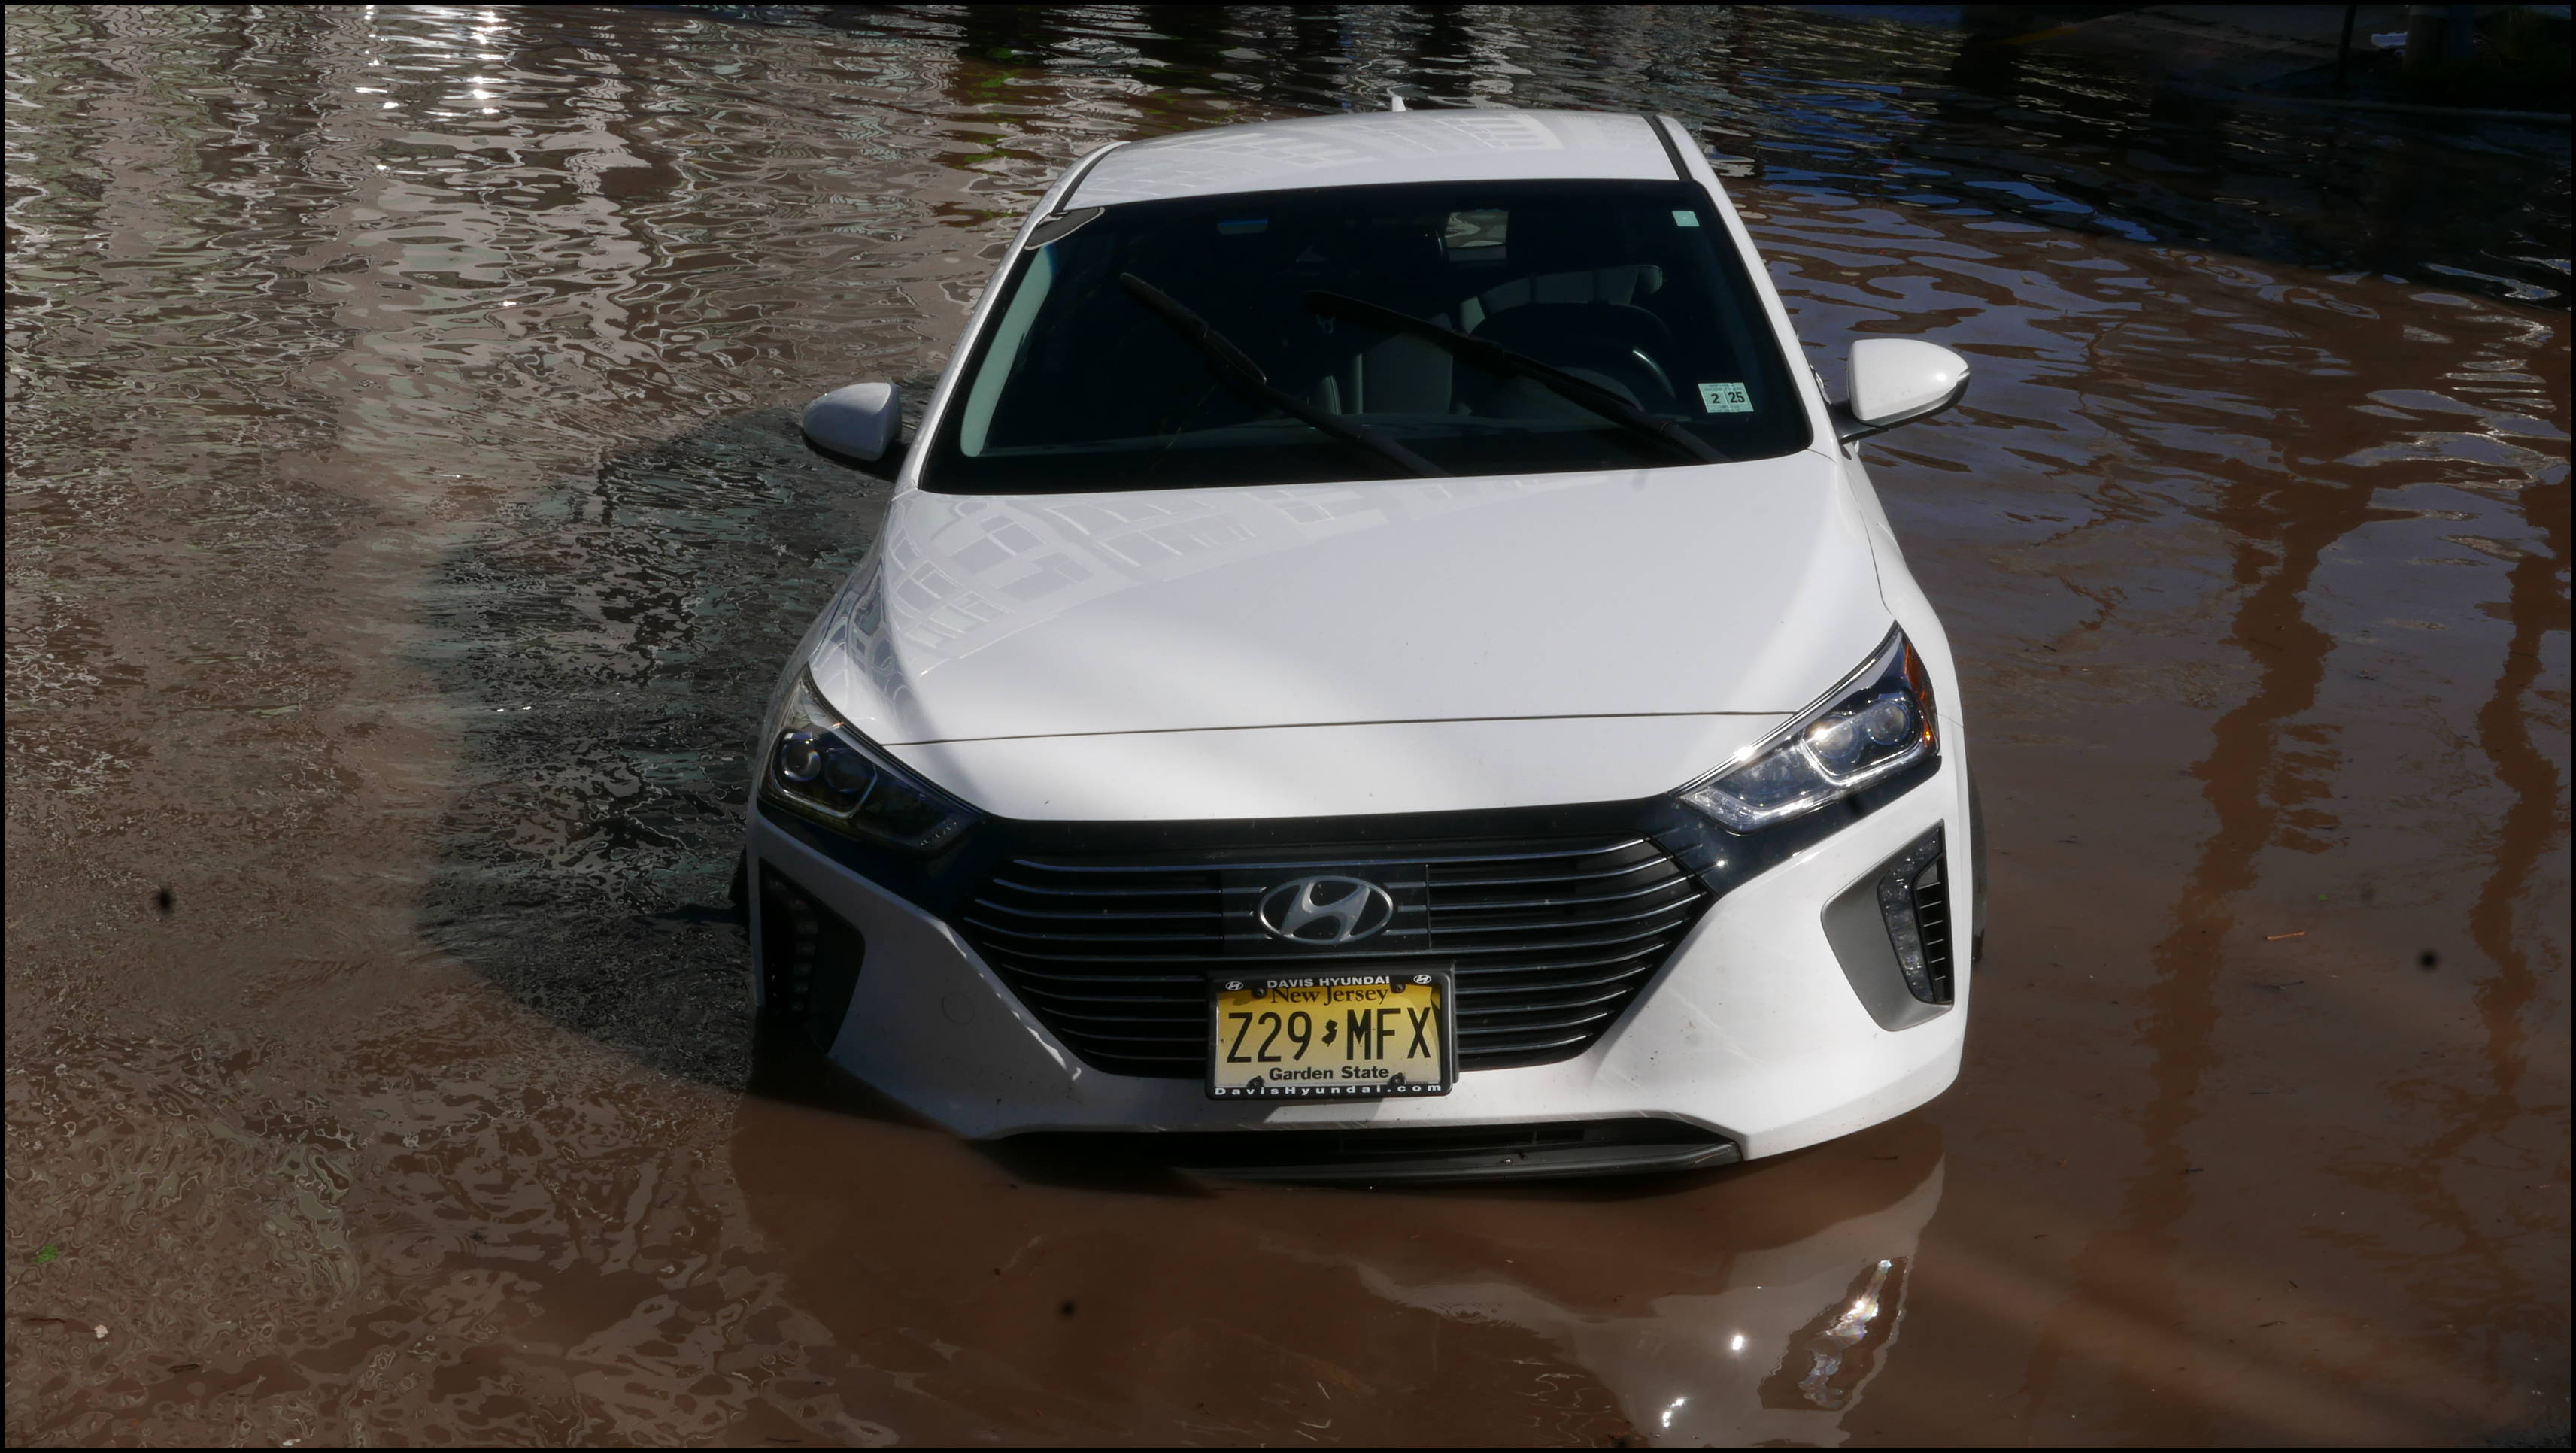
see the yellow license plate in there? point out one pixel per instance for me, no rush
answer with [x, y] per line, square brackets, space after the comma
[1325, 1036]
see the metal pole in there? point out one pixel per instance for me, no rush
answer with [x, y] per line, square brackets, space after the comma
[2459, 31]
[2424, 27]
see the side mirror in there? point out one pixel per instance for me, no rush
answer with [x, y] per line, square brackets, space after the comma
[1896, 381]
[860, 421]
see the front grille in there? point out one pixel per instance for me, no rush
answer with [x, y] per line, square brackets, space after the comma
[1549, 940]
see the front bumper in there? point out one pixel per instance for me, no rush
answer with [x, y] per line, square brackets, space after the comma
[1751, 1029]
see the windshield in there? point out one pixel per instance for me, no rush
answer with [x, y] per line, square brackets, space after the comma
[1370, 333]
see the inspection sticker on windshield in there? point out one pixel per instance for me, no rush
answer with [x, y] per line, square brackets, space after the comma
[1725, 398]
[1331, 1036]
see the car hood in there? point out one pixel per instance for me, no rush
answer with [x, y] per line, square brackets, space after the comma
[1708, 591]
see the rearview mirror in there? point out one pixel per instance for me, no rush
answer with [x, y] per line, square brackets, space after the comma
[1896, 381]
[859, 421]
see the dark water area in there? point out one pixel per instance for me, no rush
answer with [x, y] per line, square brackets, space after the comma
[405, 521]
[1883, 103]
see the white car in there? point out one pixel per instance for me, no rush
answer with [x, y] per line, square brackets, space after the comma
[1381, 662]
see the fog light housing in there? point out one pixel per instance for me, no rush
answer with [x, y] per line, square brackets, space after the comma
[1914, 899]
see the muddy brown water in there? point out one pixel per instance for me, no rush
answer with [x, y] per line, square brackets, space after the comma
[405, 520]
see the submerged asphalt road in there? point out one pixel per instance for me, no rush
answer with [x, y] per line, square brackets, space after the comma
[405, 520]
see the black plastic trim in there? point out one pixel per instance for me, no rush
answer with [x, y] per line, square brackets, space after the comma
[1850, 429]
[1672, 151]
[1548, 1150]
[942, 882]
[1060, 226]
[1976, 865]
[1081, 173]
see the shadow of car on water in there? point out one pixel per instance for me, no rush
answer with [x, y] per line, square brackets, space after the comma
[607, 650]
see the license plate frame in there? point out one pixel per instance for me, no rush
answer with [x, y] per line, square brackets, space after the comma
[1343, 994]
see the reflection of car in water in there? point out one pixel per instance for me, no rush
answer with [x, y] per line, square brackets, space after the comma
[1787, 1342]
[1381, 659]
[1730, 1310]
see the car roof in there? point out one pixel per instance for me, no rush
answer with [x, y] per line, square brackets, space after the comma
[1374, 148]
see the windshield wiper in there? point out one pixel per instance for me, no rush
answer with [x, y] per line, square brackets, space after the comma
[1237, 371]
[1495, 358]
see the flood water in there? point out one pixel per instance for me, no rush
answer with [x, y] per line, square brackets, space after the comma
[405, 519]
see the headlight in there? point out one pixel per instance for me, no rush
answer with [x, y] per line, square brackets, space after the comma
[1874, 724]
[822, 770]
